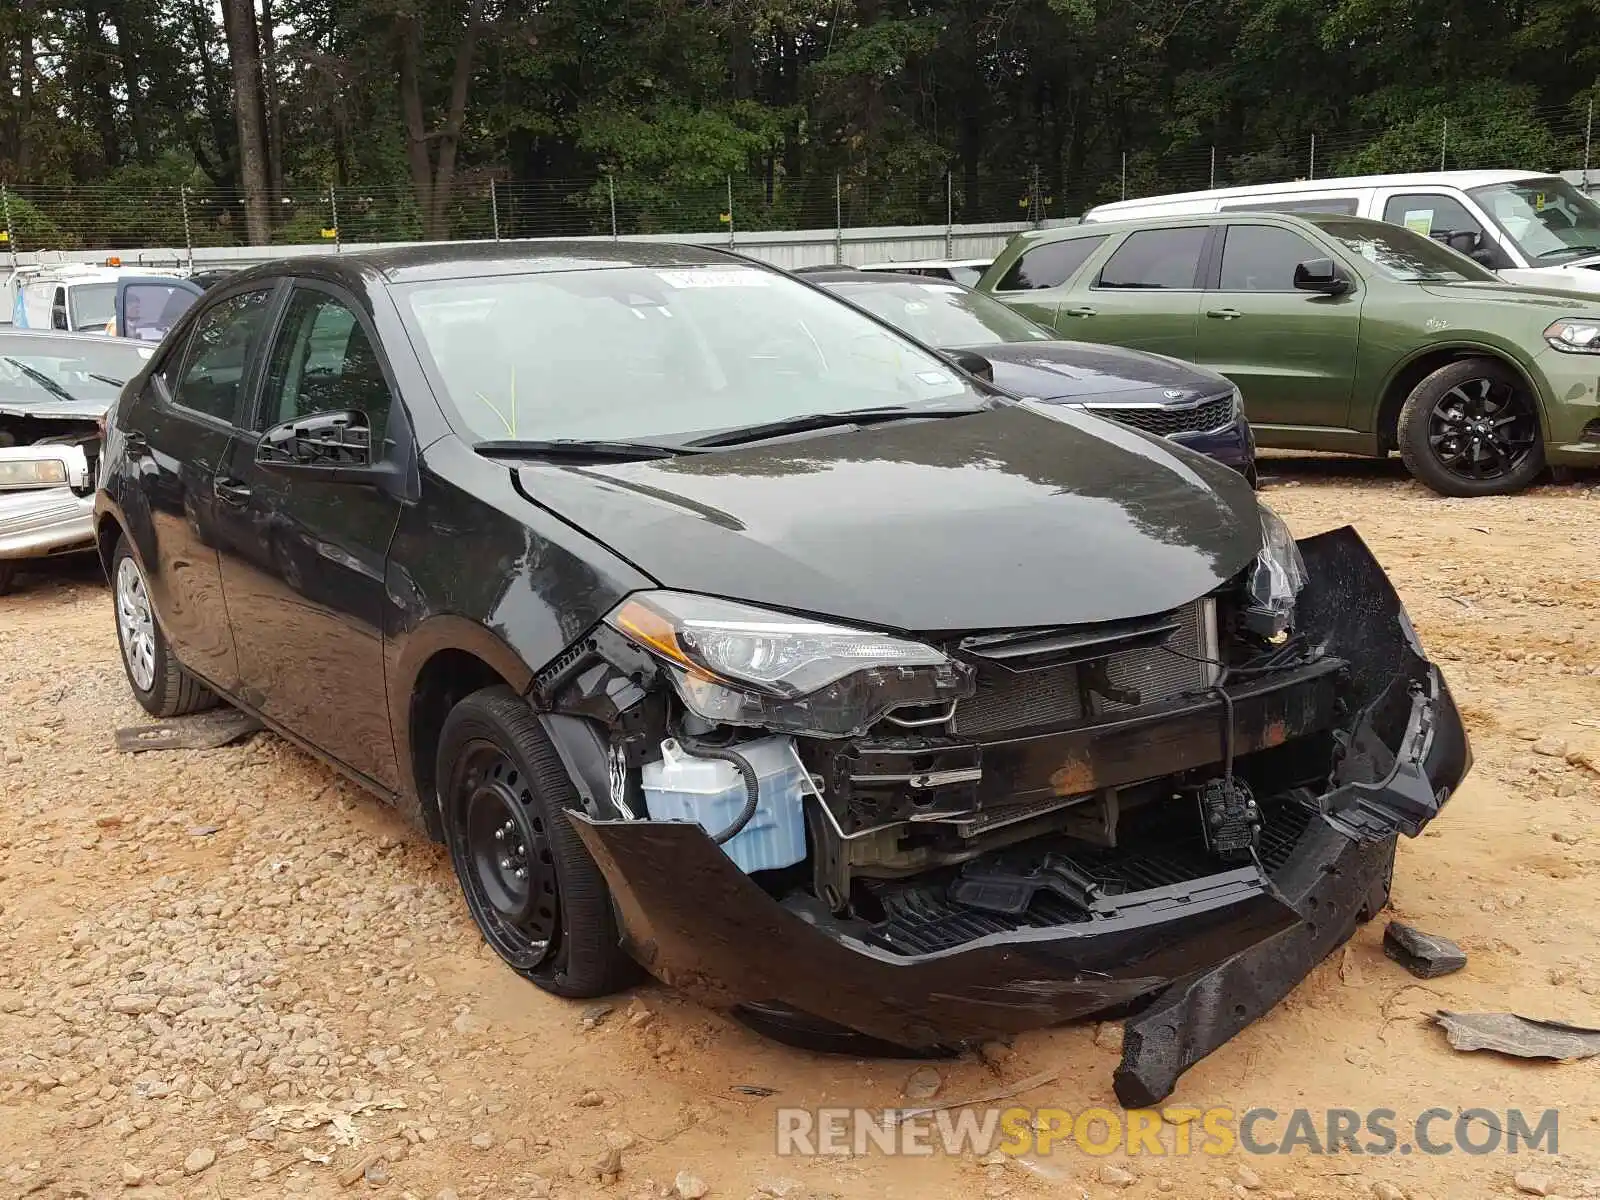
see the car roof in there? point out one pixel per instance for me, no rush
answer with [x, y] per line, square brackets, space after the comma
[1172, 220]
[879, 278]
[927, 262]
[435, 261]
[1460, 179]
[11, 334]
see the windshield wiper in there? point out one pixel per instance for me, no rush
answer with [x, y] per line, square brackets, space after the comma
[43, 380]
[1575, 251]
[806, 422]
[107, 379]
[578, 448]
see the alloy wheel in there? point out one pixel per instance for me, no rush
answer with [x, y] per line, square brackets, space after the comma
[1482, 429]
[137, 625]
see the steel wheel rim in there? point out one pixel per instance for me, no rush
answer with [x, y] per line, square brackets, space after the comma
[504, 856]
[136, 625]
[1482, 429]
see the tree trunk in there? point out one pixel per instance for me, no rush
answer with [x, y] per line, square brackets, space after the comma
[433, 175]
[269, 96]
[25, 91]
[244, 53]
[95, 81]
[130, 40]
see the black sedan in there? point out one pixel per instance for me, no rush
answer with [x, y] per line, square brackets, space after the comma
[715, 626]
[1191, 405]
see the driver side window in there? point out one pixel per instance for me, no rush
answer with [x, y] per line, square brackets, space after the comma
[323, 361]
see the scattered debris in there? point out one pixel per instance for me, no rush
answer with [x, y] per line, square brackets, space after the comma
[922, 1084]
[483, 1141]
[689, 1187]
[1425, 955]
[589, 1100]
[1115, 1176]
[198, 1160]
[609, 1164]
[1005, 1093]
[751, 1089]
[1384, 1190]
[1108, 1036]
[1519, 1036]
[203, 731]
[1532, 1183]
[594, 1014]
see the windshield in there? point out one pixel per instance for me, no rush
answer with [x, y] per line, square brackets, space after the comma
[1550, 220]
[91, 305]
[636, 353]
[82, 368]
[941, 314]
[1403, 255]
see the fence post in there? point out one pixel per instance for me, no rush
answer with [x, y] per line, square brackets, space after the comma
[730, 212]
[1124, 174]
[333, 205]
[11, 234]
[1444, 142]
[1033, 200]
[838, 220]
[1213, 166]
[949, 215]
[611, 191]
[494, 207]
[1588, 136]
[1312, 173]
[188, 241]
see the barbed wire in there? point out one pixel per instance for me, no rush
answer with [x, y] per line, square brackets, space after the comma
[116, 216]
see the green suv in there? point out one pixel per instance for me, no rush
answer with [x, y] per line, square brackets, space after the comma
[1342, 334]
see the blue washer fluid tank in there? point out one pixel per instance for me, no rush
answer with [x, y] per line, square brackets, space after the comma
[711, 793]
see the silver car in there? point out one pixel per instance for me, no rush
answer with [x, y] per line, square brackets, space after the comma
[55, 390]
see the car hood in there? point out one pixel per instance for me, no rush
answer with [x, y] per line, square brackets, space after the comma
[56, 410]
[1004, 519]
[1081, 372]
[1526, 295]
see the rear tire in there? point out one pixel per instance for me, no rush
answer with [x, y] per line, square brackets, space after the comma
[8, 576]
[160, 684]
[1472, 429]
[533, 890]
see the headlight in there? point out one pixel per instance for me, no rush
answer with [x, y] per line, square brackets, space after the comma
[31, 473]
[735, 664]
[1275, 580]
[1574, 336]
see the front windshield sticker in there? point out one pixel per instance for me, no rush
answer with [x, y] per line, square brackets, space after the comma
[1419, 220]
[704, 278]
[934, 378]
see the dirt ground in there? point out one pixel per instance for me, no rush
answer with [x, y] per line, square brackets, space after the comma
[228, 973]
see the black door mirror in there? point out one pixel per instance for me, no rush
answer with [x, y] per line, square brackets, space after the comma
[972, 363]
[335, 447]
[1463, 241]
[1320, 275]
[1485, 257]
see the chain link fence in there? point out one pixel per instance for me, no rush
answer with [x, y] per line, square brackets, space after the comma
[98, 216]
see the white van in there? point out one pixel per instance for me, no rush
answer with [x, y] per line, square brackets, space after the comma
[81, 299]
[1530, 228]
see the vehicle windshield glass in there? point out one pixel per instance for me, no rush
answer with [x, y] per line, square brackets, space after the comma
[1403, 255]
[639, 353]
[81, 367]
[91, 305]
[941, 314]
[1550, 220]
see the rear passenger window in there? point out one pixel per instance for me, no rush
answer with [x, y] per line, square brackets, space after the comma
[219, 353]
[1158, 259]
[1262, 258]
[1048, 266]
[1339, 205]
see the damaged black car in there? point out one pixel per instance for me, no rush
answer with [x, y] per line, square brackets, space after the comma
[719, 628]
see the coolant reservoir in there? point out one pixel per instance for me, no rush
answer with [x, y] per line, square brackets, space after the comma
[710, 792]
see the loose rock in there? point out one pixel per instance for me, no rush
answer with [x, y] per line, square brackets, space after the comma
[198, 1160]
[922, 1084]
[1384, 1190]
[689, 1187]
[483, 1140]
[1532, 1183]
[1115, 1176]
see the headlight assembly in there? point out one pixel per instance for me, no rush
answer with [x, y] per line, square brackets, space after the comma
[736, 664]
[1274, 580]
[1574, 336]
[18, 473]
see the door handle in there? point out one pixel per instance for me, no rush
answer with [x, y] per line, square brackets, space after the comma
[1083, 310]
[1224, 314]
[231, 491]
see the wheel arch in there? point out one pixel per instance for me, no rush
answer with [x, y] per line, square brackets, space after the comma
[1403, 380]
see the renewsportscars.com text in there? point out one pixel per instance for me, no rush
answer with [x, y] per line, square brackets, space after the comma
[1173, 1131]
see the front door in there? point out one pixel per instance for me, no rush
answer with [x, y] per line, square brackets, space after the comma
[303, 561]
[1292, 353]
[179, 437]
[1145, 297]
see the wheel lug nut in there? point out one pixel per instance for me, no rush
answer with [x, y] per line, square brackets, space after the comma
[521, 873]
[505, 864]
[499, 835]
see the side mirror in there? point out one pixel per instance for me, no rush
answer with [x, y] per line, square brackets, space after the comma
[335, 447]
[1485, 257]
[972, 364]
[1320, 275]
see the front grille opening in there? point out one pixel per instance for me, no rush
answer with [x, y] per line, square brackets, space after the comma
[1164, 422]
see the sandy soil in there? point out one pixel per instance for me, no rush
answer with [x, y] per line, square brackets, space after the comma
[229, 974]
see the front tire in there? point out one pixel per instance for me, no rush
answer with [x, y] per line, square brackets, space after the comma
[160, 684]
[1472, 429]
[535, 893]
[8, 576]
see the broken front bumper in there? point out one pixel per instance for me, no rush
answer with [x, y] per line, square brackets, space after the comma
[1214, 953]
[45, 521]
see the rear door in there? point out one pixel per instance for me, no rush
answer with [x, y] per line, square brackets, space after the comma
[148, 306]
[303, 557]
[1037, 282]
[1292, 353]
[1145, 296]
[177, 439]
